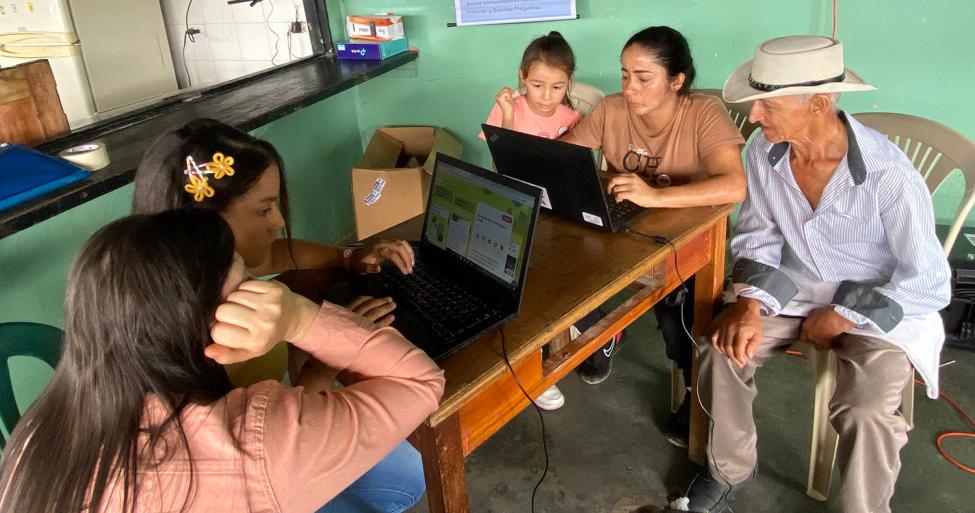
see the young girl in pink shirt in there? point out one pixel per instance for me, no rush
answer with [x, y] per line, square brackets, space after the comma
[541, 105]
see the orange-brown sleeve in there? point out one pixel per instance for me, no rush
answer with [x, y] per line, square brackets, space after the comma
[715, 128]
[589, 131]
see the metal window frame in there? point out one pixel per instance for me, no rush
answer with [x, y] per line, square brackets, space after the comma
[320, 32]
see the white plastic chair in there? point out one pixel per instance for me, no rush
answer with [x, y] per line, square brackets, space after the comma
[584, 97]
[737, 111]
[936, 151]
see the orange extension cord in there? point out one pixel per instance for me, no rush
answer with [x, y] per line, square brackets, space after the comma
[939, 442]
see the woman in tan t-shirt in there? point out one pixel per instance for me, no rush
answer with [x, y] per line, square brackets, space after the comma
[667, 147]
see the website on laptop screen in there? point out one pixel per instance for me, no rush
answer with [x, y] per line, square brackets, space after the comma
[484, 223]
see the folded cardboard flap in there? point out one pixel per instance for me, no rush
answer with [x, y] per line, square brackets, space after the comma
[417, 140]
[442, 143]
[391, 182]
[382, 152]
[385, 197]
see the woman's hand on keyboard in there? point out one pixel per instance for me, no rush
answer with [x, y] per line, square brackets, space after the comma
[376, 310]
[630, 186]
[371, 258]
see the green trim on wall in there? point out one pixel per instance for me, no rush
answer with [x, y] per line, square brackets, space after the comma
[319, 145]
[918, 54]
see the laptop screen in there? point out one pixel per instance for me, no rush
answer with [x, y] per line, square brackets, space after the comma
[483, 222]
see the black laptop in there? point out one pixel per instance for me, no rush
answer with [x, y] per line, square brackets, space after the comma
[566, 173]
[471, 259]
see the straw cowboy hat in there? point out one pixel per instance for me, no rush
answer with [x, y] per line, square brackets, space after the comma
[793, 65]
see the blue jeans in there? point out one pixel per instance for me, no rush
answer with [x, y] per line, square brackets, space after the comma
[392, 486]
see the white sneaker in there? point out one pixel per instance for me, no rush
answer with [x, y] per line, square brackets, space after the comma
[551, 399]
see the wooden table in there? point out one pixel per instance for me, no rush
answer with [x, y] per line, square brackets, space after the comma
[573, 270]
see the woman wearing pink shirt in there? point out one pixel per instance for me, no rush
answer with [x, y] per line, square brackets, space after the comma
[141, 415]
[207, 164]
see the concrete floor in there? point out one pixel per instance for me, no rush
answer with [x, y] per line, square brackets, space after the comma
[607, 454]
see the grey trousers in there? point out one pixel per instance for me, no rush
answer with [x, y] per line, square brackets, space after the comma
[864, 411]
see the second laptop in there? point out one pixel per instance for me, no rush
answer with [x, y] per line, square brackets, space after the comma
[567, 175]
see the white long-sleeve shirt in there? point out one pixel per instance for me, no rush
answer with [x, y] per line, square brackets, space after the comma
[869, 248]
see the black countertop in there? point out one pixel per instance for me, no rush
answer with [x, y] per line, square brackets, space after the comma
[246, 105]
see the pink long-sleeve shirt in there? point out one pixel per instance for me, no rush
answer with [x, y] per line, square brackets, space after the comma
[275, 448]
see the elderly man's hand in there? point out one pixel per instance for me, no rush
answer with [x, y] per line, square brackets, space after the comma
[823, 327]
[737, 332]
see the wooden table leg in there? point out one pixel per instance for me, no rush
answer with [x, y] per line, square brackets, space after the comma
[443, 465]
[707, 292]
[559, 341]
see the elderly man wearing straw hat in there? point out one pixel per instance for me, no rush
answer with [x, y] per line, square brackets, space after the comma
[835, 245]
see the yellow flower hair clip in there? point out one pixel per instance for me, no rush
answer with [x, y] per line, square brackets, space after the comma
[221, 165]
[199, 187]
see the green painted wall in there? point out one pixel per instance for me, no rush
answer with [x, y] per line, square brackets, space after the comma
[319, 145]
[919, 55]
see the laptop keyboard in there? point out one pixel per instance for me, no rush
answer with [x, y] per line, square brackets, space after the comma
[621, 209]
[444, 306]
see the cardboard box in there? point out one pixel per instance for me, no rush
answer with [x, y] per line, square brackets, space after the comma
[370, 50]
[391, 182]
[380, 27]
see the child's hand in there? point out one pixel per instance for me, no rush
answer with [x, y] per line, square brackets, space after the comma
[506, 101]
[255, 318]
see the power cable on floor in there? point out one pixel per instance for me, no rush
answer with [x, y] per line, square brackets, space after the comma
[541, 418]
[939, 442]
[660, 239]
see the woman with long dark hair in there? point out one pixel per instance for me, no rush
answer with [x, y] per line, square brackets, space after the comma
[141, 416]
[252, 197]
[242, 177]
[668, 147]
[211, 165]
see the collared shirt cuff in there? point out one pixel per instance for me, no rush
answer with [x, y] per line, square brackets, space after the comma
[866, 301]
[770, 306]
[772, 282]
[860, 321]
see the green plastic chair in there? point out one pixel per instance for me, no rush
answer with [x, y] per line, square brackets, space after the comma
[23, 339]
